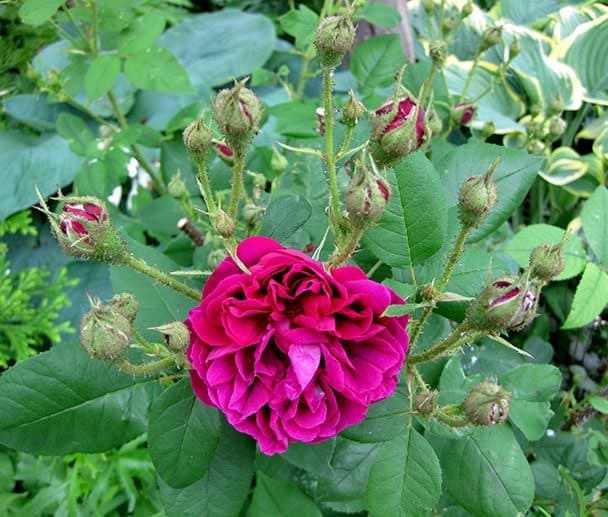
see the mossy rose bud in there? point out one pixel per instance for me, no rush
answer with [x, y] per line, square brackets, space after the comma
[547, 261]
[463, 113]
[397, 131]
[366, 199]
[476, 197]
[333, 39]
[105, 333]
[126, 305]
[84, 230]
[508, 303]
[438, 50]
[353, 110]
[555, 127]
[491, 36]
[198, 139]
[487, 404]
[514, 49]
[223, 223]
[238, 113]
[176, 334]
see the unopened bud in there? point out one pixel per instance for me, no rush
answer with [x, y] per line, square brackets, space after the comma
[396, 131]
[126, 305]
[508, 303]
[467, 9]
[198, 140]
[334, 38]
[555, 127]
[514, 49]
[352, 111]
[535, 109]
[223, 223]
[177, 187]
[426, 402]
[428, 6]
[438, 50]
[83, 230]
[536, 147]
[176, 334]
[534, 127]
[547, 261]
[476, 197]
[487, 404]
[366, 196]
[447, 24]
[238, 113]
[556, 105]
[251, 213]
[105, 333]
[463, 113]
[278, 162]
[433, 122]
[488, 129]
[491, 36]
[225, 153]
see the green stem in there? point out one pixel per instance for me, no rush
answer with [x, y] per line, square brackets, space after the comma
[417, 377]
[330, 159]
[458, 337]
[94, 29]
[122, 121]
[203, 178]
[453, 257]
[451, 416]
[342, 253]
[469, 77]
[348, 136]
[145, 369]
[238, 170]
[144, 268]
[77, 27]
[304, 74]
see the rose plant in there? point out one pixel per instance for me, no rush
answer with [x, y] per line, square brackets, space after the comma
[317, 302]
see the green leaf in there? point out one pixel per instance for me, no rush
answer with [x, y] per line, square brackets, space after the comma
[524, 13]
[524, 241]
[142, 33]
[313, 458]
[275, 224]
[36, 12]
[379, 14]
[280, 499]
[296, 119]
[532, 387]
[26, 161]
[75, 131]
[486, 472]
[402, 309]
[183, 435]
[33, 110]
[225, 486]
[415, 222]
[405, 479]
[384, 421]
[514, 176]
[301, 24]
[599, 403]
[247, 41]
[578, 51]
[157, 69]
[595, 223]
[62, 401]
[590, 299]
[565, 166]
[101, 75]
[375, 61]
[157, 304]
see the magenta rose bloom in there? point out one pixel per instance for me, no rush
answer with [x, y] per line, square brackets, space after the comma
[293, 352]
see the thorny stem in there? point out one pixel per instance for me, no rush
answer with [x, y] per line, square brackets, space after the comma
[205, 184]
[348, 136]
[342, 253]
[238, 170]
[144, 268]
[417, 377]
[330, 159]
[470, 76]
[457, 338]
[142, 370]
[451, 416]
[453, 257]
